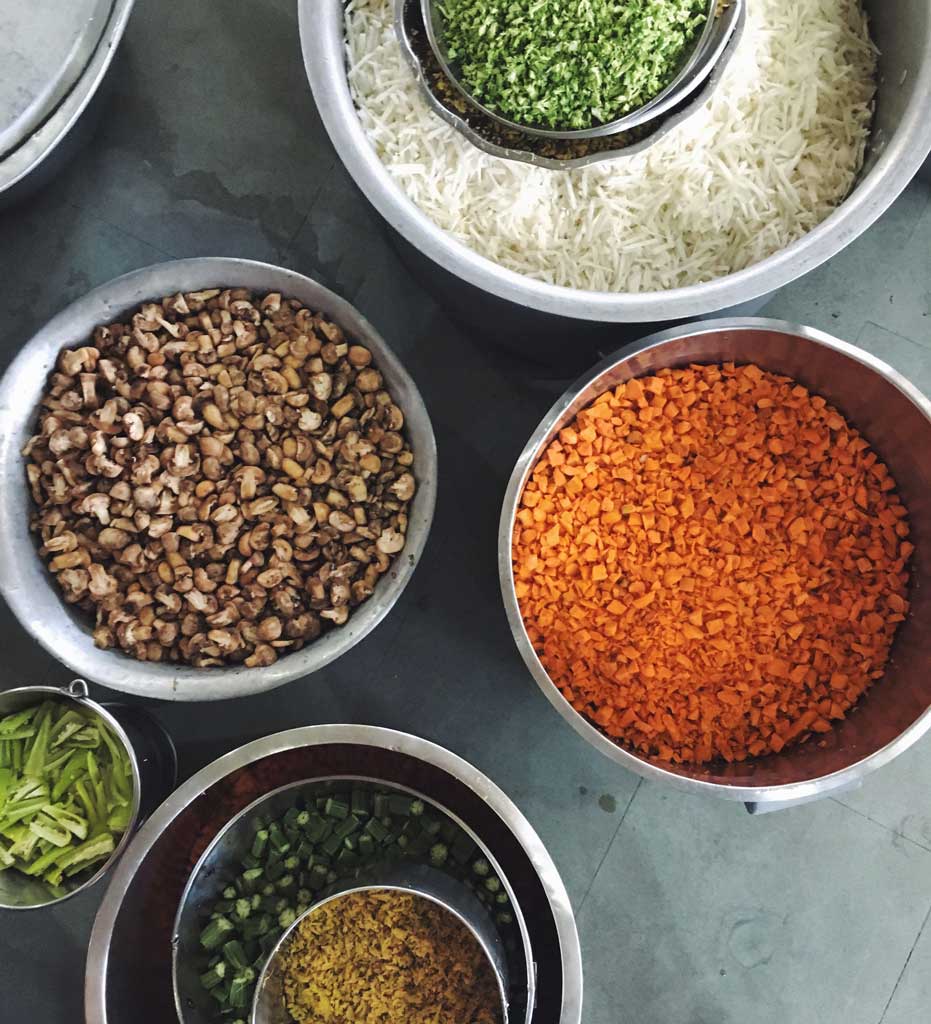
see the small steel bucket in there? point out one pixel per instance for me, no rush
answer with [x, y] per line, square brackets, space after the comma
[153, 763]
[269, 1007]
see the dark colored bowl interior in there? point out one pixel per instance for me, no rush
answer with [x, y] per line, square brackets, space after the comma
[138, 968]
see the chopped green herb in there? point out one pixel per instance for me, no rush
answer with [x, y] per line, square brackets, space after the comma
[569, 64]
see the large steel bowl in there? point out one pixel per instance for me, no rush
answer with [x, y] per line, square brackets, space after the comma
[901, 140]
[129, 971]
[29, 589]
[896, 419]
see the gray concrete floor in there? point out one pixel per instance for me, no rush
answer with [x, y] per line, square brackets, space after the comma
[690, 911]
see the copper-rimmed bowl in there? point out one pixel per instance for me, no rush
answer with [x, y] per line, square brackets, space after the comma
[896, 419]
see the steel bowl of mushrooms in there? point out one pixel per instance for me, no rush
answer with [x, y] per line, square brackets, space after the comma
[217, 477]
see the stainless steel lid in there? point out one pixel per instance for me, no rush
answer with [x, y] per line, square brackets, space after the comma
[45, 47]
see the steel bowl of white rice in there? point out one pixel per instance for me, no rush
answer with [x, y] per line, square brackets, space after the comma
[818, 123]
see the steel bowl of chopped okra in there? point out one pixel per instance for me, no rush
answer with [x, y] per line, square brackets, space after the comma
[69, 794]
[298, 846]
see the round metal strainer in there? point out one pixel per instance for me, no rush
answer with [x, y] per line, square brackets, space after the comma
[694, 69]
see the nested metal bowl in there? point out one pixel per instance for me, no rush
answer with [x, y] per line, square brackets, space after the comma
[129, 964]
[29, 589]
[553, 152]
[220, 862]
[896, 419]
[420, 881]
[19, 891]
[694, 68]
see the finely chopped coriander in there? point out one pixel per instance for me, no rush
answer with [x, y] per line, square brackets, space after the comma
[569, 63]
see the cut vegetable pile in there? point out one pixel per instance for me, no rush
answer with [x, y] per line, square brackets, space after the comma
[565, 64]
[712, 563]
[294, 858]
[66, 792]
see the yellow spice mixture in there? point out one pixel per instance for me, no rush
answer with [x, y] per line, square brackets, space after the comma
[388, 957]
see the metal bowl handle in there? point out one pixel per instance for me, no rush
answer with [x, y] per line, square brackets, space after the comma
[78, 689]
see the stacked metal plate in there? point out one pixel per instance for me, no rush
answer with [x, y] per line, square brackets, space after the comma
[53, 57]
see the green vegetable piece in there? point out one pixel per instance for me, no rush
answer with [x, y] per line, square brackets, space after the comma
[269, 940]
[504, 918]
[399, 804]
[277, 839]
[216, 933]
[376, 830]
[417, 808]
[235, 955]
[318, 877]
[492, 884]
[256, 926]
[221, 993]
[481, 867]
[210, 979]
[438, 854]
[336, 808]
[304, 896]
[462, 849]
[361, 803]
[259, 842]
[331, 845]
[347, 858]
[380, 805]
[75, 767]
[430, 825]
[316, 828]
[88, 738]
[347, 826]
[12, 723]
[48, 829]
[242, 909]
[35, 762]
[286, 918]
[366, 846]
[240, 988]
[251, 879]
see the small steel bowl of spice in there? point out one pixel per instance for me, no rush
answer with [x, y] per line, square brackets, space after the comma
[562, 70]
[713, 573]
[230, 478]
[69, 794]
[415, 947]
[307, 841]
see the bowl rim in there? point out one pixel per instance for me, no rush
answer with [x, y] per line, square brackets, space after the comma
[95, 978]
[299, 784]
[27, 375]
[792, 791]
[77, 692]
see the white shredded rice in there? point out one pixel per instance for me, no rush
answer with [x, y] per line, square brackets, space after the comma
[770, 155]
